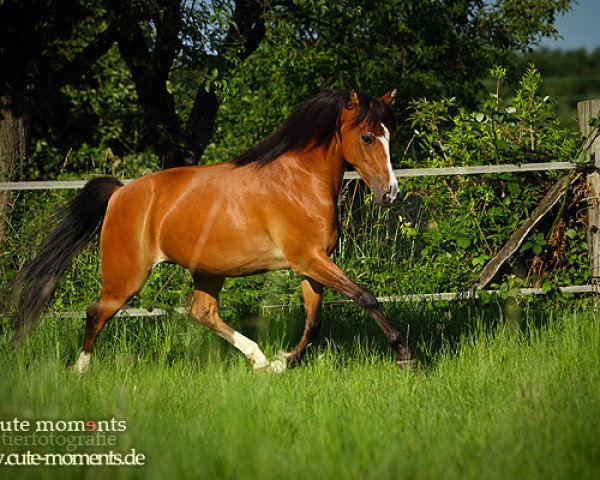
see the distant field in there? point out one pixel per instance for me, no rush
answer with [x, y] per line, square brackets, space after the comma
[490, 402]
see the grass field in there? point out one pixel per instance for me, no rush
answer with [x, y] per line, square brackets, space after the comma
[490, 401]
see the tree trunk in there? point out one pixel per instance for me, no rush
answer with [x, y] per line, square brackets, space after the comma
[14, 143]
[177, 144]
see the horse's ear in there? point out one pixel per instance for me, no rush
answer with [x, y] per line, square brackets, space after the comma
[353, 102]
[389, 97]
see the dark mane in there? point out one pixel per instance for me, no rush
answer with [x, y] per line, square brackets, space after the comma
[315, 123]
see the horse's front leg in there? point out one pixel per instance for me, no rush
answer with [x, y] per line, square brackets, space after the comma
[322, 270]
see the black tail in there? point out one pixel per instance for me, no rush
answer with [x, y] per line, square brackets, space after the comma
[78, 223]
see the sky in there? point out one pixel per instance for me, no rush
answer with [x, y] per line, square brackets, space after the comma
[580, 28]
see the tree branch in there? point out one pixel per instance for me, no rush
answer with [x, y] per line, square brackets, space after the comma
[247, 27]
[80, 65]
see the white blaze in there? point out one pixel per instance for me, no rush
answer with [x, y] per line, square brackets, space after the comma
[385, 141]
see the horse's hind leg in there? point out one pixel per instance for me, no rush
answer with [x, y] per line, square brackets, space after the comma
[96, 316]
[311, 293]
[119, 284]
[205, 311]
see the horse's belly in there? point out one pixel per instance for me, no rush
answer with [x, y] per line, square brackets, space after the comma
[227, 254]
[237, 260]
[245, 266]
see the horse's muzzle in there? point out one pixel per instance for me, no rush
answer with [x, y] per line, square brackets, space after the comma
[389, 196]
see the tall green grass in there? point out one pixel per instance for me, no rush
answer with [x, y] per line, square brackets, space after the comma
[490, 401]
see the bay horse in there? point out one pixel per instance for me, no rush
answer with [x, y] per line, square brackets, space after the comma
[273, 207]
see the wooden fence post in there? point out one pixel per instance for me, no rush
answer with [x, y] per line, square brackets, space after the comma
[586, 111]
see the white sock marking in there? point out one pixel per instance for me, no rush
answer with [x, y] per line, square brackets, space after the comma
[251, 350]
[82, 362]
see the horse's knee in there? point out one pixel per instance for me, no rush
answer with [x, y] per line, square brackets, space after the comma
[96, 316]
[313, 326]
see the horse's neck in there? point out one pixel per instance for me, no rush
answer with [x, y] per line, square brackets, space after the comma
[327, 165]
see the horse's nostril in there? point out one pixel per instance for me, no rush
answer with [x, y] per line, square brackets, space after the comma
[387, 198]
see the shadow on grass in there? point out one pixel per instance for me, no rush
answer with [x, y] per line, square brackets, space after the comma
[429, 328]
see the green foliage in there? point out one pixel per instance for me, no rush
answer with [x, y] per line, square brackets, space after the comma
[101, 128]
[464, 221]
[437, 237]
[430, 49]
[425, 49]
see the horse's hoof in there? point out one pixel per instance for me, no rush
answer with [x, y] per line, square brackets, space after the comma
[277, 366]
[82, 364]
[408, 364]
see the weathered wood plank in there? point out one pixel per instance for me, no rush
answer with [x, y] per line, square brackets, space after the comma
[587, 111]
[516, 239]
[478, 170]
[46, 185]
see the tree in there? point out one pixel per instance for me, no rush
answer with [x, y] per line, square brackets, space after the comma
[45, 46]
[186, 57]
[183, 36]
[35, 38]
[426, 49]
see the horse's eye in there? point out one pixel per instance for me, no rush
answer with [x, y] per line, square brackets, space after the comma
[367, 138]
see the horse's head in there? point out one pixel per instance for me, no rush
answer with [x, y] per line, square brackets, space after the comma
[367, 127]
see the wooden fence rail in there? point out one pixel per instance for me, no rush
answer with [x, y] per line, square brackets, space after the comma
[401, 173]
[408, 298]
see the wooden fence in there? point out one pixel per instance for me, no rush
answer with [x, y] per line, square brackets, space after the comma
[403, 173]
[590, 166]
